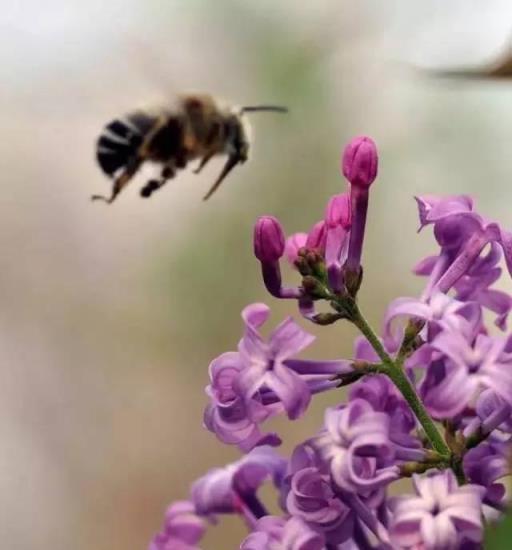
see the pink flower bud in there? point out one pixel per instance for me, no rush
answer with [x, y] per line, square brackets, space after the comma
[360, 161]
[268, 239]
[293, 244]
[338, 211]
[316, 237]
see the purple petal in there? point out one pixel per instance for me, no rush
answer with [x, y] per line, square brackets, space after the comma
[288, 339]
[292, 391]
[254, 315]
[307, 366]
[424, 267]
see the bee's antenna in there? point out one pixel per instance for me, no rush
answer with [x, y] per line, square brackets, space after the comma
[255, 108]
[232, 161]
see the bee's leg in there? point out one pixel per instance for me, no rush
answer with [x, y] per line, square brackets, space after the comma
[121, 181]
[203, 162]
[151, 186]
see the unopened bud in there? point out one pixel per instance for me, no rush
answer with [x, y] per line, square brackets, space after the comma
[360, 161]
[268, 239]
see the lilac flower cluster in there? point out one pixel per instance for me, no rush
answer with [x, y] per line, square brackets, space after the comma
[430, 395]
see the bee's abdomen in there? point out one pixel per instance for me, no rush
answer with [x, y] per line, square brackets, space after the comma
[120, 140]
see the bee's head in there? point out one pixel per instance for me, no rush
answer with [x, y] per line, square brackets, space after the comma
[237, 133]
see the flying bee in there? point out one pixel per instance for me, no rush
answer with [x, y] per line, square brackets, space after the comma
[196, 127]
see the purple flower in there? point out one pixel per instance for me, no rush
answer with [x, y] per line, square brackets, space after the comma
[232, 489]
[444, 389]
[228, 415]
[354, 444]
[183, 529]
[384, 397]
[492, 413]
[274, 533]
[475, 284]
[440, 516]
[485, 364]
[439, 311]
[485, 465]
[269, 365]
[462, 235]
[312, 499]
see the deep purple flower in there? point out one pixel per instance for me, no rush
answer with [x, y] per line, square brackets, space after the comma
[354, 444]
[269, 365]
[462, 235]
[269, 240]
[182, 530]
[275, 533]
[440, 516]
[228, 415]
[232, 489]
[269, 246]
[312, 498]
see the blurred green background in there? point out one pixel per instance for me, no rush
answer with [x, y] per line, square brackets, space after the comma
[110, 315]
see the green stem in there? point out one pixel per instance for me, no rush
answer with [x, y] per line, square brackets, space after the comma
[398, 377]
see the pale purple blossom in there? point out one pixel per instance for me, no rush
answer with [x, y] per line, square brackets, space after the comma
[434, 356]
[384, 397]
[439, 311]
[485, 364]
[486, 465]
[234, 420]
[356, 447]
[275, 533]
[440, 516]
[233, 488]
[269, 364]
[462, 235]
[312, 498]
[183, 529]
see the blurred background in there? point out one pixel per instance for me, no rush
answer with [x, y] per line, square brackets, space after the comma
[109, 316]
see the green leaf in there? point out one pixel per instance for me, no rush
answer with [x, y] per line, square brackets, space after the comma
[499, 536]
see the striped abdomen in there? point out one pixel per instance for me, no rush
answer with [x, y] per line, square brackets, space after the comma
[120, 140]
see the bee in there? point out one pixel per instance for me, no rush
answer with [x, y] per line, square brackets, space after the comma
[195, 127]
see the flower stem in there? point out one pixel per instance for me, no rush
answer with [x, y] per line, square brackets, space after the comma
[398, 377]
